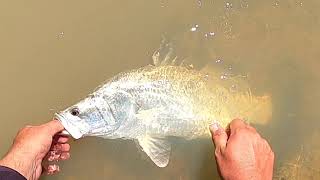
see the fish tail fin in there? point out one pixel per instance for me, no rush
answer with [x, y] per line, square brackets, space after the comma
[262, 111]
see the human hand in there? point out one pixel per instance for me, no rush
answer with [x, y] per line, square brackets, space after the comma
[241, 153]
[32, 145]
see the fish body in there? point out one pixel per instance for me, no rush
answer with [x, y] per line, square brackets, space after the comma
[155, 102]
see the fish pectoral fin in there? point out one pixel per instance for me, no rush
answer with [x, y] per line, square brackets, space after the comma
[158, 149]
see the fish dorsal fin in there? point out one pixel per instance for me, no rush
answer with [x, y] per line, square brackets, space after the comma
[167, 55]
[157, 148]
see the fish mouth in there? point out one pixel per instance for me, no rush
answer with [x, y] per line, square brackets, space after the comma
[72, 130]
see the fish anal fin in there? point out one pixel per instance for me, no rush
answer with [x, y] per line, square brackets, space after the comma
[157, 148]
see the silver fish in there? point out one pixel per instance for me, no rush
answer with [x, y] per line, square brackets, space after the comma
[157, 101]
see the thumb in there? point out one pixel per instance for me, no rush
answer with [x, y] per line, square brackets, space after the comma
[54, 127]
[219, 136]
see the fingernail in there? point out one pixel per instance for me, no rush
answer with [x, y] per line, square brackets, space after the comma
[214, 126]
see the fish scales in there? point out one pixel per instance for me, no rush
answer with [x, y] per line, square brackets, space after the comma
[178, 91]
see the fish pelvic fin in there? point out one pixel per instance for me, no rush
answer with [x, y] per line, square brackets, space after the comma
[157, 148]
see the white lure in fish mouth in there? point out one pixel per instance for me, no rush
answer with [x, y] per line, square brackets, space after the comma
[72, 130]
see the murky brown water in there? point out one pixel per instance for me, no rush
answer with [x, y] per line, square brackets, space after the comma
[55, 52]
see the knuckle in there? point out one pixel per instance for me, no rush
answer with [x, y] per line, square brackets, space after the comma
[236, 120]
[257, 135]
[217, 133]
[272, 154]
[265, 142]
[241, 132]
[267, 145]
[26, 128]
[250, 128]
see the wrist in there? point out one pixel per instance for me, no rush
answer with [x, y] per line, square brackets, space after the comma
[19, 162]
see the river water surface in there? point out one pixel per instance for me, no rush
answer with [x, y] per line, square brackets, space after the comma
[53, 53]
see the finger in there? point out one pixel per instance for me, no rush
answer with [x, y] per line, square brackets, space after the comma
[236, 124]
[53, 156]
[60, 139]
[219, 136]
[54, 127]
[52, 169]
[266, 146]
[64, 156]
[251, 128]
[60, 147]
[58, 156]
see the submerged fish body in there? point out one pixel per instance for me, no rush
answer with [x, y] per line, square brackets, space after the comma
[152, 103]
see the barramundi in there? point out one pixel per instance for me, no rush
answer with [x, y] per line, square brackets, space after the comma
[155, 102]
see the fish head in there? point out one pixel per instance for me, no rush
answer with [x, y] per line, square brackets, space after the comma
[97, 115]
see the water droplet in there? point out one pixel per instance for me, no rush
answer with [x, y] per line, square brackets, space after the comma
[276, 4]
[230, 67]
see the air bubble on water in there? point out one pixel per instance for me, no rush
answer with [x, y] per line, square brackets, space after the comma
[276, 4]
[194, 28]
[60, 35]
[223, 77]
[206, 76]
[230, 67]
[228, 5]
[209, 34]
[233, 88]
[219, 61]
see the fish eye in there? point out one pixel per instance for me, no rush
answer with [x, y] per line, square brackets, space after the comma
[75, 111]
